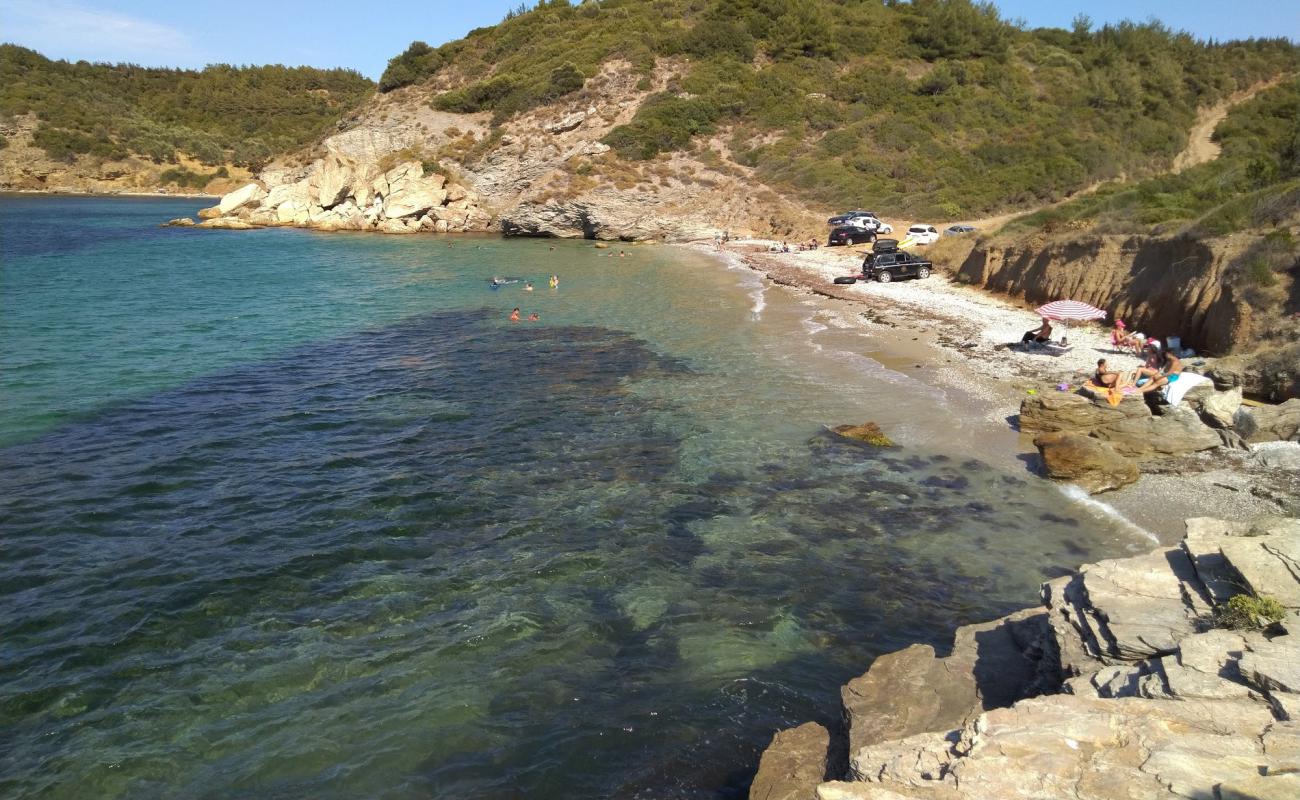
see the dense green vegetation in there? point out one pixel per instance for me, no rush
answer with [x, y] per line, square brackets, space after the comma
[1255, 182]
[241, 115]
[188, 179]
[937, 107]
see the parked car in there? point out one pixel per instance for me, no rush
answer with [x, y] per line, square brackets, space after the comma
[840, 219]
[869, 223]
[887, 263]
[885, 267]
[850, 235]
[923, 234]
[955, 230]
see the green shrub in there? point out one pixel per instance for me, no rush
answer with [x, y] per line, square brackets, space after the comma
[62, 145]
[565, 79]
[712, 37]
[663, 123]
[186, 179]
[1248, 612]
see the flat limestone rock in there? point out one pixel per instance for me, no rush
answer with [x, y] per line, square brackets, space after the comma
[1096, 749]
[1061, 411]
[1274, 665]
[917, 761]
[857, 790]
[1176, 433]
[1284, 786]
[1201, 543]
[793, 765]
[905, 693]
[1145, 604]
[1269, 565]
[1187, 683]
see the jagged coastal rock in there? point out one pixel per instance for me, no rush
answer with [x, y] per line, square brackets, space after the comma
[1120, 686]
[1085, 440]
[359, 182]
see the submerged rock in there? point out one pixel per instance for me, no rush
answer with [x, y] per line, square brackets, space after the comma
[868, 433]
[227, 223]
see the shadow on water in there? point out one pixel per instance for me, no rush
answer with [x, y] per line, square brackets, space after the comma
[451, 557]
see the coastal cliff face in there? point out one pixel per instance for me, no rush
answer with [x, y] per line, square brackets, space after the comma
[1162, 286]
[1230, 295]
[543, 173]
[1125, 684]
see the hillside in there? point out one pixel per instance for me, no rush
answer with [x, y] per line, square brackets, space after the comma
[104, 127]
[937, 108]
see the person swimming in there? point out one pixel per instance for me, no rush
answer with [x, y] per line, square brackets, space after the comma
[514, 315]
[533, 317]
[528, 287]
[555, 281]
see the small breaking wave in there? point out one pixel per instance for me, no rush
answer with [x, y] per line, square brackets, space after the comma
[1096, 506]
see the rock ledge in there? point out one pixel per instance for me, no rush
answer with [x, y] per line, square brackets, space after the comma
[1118, 687]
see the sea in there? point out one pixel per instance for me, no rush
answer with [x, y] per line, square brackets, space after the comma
[286, 514]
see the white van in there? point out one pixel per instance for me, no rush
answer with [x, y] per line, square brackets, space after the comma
[923, 234]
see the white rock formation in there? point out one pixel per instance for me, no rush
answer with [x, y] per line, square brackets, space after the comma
[243, 196]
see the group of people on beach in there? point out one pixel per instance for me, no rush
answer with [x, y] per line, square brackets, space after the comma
[554, 283]
[1160, 366]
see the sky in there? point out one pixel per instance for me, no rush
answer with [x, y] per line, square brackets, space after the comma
[329, 33]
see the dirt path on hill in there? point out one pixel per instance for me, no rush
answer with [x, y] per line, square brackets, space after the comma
[1201, 149]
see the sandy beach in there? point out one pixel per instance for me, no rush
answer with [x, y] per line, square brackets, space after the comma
[956, 337]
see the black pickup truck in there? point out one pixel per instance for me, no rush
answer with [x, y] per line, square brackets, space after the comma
[886, 262]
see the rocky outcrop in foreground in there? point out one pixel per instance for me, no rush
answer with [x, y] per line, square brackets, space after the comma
[1087, 441]
[1120, 686]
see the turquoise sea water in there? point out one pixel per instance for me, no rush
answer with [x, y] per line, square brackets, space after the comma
[286, 514]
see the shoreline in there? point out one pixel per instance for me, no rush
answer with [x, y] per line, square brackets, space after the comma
[1127, 675]
[74, 193]
[945, 334]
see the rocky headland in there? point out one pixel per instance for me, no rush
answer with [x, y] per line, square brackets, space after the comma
[1174, 674]
[545, 172]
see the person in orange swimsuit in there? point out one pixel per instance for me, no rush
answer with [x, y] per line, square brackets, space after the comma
[514, 315]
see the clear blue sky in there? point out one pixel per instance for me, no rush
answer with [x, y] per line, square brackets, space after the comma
[326, 33]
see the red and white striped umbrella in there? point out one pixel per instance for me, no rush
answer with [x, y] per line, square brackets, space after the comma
[1070, 310]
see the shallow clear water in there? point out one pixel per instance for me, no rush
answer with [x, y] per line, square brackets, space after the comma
[285, 514]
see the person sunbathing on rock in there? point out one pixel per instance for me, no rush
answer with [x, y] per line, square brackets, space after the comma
[1169, 373]
[1104, 377]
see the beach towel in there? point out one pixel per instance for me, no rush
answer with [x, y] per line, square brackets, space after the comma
[1112, 395]
[1178, 389]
